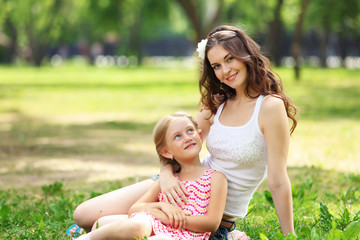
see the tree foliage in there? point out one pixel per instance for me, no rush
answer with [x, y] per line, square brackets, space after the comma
[30, 28]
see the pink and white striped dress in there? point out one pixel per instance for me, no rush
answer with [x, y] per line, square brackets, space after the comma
[199, 199]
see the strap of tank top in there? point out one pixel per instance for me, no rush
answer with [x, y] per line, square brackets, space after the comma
[257, 107]
[218, 112]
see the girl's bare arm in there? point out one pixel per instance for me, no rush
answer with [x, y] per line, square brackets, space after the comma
[165, 212]
[211, 221]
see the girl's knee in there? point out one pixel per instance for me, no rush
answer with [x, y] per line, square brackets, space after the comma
[139, 229]
[128, 230]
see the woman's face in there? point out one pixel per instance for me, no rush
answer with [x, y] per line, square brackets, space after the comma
[227, 69]
[183, 141]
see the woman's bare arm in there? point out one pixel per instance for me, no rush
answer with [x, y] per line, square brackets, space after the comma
[275, 126]
[204, 120]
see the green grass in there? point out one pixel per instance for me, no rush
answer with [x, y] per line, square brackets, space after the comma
[71, 133]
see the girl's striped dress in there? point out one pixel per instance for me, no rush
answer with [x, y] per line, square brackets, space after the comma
[199, 199]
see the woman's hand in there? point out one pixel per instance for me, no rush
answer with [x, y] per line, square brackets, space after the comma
[173, 190]
[175, 215]
[171, 187]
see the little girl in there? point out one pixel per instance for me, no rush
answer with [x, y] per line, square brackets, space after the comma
[178, 142]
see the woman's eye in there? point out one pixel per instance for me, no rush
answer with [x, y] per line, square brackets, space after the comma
[230, 58]
[216, 67]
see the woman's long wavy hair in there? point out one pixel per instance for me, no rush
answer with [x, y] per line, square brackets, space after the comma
[261, 78]
[159, 137]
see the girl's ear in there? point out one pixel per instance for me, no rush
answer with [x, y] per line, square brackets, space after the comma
[165, 153]
[200, 135]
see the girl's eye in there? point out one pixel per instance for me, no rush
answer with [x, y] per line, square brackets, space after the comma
[190, 130]
[177, 136]
[229, 59]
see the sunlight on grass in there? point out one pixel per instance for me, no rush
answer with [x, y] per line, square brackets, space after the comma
[87, 112]
[326, 144]
[72, 133]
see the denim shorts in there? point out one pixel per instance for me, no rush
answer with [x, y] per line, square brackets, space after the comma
[156, 177]
[222, 232]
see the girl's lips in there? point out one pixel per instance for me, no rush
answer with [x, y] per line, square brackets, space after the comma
[232, 77]
[190, 145]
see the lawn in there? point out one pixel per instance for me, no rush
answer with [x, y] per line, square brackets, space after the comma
[71, 133]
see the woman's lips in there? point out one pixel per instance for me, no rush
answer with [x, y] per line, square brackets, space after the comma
[232, 77]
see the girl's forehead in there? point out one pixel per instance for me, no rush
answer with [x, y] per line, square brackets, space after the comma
[179, 123]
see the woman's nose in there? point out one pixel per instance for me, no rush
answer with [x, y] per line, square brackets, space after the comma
[226, 69]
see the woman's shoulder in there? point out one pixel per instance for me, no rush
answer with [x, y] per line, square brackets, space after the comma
[205, 115]
[271, 104]
[272, 112]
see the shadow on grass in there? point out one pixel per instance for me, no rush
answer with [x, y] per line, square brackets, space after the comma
[35, 137]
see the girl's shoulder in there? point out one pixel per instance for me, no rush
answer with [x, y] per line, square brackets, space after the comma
[217, 176]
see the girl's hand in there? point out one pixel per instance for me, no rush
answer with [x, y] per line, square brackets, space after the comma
[175, 215]
[173, 189]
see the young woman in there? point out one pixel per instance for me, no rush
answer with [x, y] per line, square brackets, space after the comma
[178, 143]
[246, 131]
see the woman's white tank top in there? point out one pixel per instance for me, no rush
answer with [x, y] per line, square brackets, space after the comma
[240, 153]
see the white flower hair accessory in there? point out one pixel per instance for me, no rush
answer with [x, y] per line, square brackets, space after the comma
[201, 48]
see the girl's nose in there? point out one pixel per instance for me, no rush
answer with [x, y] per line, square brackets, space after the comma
[187, 138]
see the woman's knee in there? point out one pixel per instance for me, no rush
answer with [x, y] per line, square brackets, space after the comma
[81, 217]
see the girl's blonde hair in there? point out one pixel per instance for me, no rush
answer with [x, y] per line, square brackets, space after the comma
[159, 137]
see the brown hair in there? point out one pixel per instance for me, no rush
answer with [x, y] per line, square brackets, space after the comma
[159, 137]
[261, 78]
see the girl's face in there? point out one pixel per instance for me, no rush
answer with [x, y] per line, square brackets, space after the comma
[183, 141]
[227, 69]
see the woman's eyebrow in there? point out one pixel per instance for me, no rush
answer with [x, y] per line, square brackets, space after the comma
[224, 59]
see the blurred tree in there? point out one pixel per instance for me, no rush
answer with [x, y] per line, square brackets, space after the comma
[341, 19]
[296, 44]
[147, 20]
[8, 34]
[202, 15]
[128, 24]
[33, 26]
[252, 16]
[98, 19]
[262, 20]
[275, 34]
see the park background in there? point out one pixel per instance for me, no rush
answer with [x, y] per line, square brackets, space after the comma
[82, 84]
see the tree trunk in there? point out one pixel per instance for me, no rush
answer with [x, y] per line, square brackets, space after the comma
[11, 48]
[323, 37]
[196, 17]
[275, 34]
[134, 38]
[342, 45]
[296, 45]
[40, 43]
